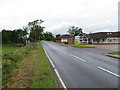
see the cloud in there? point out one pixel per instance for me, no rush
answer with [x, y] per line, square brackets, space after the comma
[91, 15]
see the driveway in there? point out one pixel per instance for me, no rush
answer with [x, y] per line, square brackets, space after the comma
[113, 47]
[80, 68]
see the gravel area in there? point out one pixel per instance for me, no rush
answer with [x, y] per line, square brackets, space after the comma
[113, 47]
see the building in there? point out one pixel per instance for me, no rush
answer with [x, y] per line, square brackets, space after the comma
[104, 37]
[83, 38]
[93, 38]
[66, 39]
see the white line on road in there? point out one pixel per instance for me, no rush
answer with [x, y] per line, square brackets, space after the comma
[78, 58]
[49, 59]
[109, 71]
[63, 84]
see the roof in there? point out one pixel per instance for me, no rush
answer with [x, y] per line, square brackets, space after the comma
[84, 34]
[65, 36]
[102, 35]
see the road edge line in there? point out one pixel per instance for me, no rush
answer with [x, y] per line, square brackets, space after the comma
[58, 75]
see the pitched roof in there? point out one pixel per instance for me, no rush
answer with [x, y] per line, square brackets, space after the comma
[84, 34]
[102, 35]
[65, 36]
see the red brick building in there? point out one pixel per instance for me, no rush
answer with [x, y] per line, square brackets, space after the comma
[66, 39]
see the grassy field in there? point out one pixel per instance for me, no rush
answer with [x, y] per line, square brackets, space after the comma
[83, 46]
[116, 53]
[27, 67]
[6, 48]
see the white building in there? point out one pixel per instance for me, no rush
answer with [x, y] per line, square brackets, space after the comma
[104, 37]
[83, 37]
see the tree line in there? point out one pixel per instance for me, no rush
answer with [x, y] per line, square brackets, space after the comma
[33, 32]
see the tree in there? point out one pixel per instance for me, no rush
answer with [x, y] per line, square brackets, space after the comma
[48, 36]
[74, 31]
[33, 29]
[58, 35]
[15, 36]
[18, 36]
[6, 36]
[36, 30]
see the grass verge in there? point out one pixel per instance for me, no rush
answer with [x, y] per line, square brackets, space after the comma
[116, 53]
[43, 73]
[11, 60]
[83, 46]
[28, 67]
[6, 48]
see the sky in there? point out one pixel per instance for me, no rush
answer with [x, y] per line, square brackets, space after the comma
[58, 15]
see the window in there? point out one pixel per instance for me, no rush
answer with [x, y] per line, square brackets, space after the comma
[63, 40]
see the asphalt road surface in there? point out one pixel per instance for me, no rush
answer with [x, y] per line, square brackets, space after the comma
[82, 68]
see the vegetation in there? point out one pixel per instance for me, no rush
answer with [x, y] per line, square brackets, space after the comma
[33, 32]
[15, 36]
[116, 53]
[74, 31]
[22, 64]
[48, 36]
[36, 30]
[27, 67]
[6, 48]
[11, 60]
[0, 49]
[58, 35]
[43, 74]
[82, 46]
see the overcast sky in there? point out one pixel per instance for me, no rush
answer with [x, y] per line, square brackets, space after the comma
[58, 15]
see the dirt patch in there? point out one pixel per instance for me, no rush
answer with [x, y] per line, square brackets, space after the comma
[21, 78]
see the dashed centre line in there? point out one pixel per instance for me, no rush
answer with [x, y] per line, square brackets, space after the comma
[109, 71]
[98, 67]
[78, 58]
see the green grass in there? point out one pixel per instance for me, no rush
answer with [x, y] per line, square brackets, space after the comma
[6, 48]
[43, 76]
[11, 60]
[116, 53]
[43, 73]
[82, 46]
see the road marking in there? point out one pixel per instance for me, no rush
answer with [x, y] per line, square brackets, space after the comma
[59, 77]
[78, 58]
[109, 71]
[49, 59]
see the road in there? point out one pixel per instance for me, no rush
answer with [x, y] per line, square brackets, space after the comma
[82, 68]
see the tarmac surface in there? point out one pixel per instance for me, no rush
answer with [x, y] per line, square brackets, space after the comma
[83, 67]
